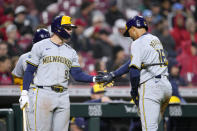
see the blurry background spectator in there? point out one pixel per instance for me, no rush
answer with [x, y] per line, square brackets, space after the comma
[21, 22]
[85, 11]
[118, 58]
[77, 124]
[3, 48]
[147, 14]
[5, 71]
[174, 69]
[12, 36]
[79, 41]
[101, 44]
[188, 61]
[117, 37]
[113, 13]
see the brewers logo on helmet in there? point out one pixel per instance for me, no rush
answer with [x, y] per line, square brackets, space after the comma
[138, 22]
[40, 34]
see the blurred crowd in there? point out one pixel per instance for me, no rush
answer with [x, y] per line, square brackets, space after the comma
[98, 38]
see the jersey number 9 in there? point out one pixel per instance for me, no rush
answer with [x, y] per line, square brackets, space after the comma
[66, 74]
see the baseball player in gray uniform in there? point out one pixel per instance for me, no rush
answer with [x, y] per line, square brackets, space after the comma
[21, 65]
[53, 60]
[151, 89]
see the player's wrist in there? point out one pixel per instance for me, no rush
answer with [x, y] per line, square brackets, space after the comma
[112, 74]
[94, 79]
[24, 92]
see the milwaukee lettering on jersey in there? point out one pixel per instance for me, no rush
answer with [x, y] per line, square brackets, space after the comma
[59, 59]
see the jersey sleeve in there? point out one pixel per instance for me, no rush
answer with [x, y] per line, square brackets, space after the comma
[136, 60]
[35, 55]
[18, 70]
[75, 61]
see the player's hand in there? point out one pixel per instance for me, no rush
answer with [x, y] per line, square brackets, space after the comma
[135, 96]
[24, 99]
[105, 77]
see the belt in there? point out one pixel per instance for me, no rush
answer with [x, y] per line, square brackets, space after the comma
[58, 89]
[160, 76]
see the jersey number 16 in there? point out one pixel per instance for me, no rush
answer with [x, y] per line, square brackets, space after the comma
[162, 57]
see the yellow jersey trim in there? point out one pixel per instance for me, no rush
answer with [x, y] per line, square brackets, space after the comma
[135, 66]
[36, 106]
[143, 107]
[16, 76]
[32, 64]
[75, 66]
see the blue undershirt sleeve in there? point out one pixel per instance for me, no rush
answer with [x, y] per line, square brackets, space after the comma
[28, 76]
[80, 76]
[123, 69]
[134, 77]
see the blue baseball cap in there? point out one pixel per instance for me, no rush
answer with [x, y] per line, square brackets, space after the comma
[177, 6]
[147, 13]
[138, 22]
[79, 121]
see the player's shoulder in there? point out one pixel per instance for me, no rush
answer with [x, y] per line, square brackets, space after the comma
[24, 56]
[69, 47]
[151, 37]
[145, 39]
[42, 42]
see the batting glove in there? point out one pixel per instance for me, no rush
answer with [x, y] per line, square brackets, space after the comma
[24, 99]
[135, 96]
[105, 77]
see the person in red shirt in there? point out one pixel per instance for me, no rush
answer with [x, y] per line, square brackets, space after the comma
[188, 60]
[191, 33]
[179, 31]
[5, 74]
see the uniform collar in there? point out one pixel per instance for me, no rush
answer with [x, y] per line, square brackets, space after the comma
[56, 44]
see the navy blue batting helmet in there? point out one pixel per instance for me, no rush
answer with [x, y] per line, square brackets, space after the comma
[137, 21]
[59, 23]
[40, 34]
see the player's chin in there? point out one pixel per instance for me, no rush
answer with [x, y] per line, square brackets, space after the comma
[67, 40]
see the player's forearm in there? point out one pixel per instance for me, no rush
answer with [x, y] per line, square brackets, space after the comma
[123, 69]
[28, 76]
[79, 75]
[134, 77]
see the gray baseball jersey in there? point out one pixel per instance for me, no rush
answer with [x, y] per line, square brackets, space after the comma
[148, 50]
[155, 89]
[54, 63]
[21, 65]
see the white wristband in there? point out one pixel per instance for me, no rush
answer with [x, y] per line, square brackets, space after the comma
[24, 92]
[94, 79]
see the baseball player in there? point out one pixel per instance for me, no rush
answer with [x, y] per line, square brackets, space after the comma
[53, 60]
[21, 65]
[151, 89]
